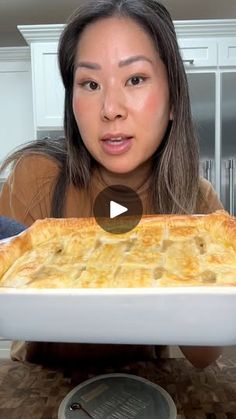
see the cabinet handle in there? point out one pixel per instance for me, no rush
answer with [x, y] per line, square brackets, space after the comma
[208, 170]
[189, 61]
[231, 186]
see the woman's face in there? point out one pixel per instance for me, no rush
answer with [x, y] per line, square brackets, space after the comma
[120, 94]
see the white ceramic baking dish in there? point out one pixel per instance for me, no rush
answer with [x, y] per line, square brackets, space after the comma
[186, 316]
[173, 316]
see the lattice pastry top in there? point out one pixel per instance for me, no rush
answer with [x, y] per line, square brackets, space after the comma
[172, 250]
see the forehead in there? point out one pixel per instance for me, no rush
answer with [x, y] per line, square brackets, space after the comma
[118, 34]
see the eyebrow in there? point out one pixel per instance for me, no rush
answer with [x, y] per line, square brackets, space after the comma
[122, 63]
[133, 59]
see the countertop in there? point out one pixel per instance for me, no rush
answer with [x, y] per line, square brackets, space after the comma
[32, 391]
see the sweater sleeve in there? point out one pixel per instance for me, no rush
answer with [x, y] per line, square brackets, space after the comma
[27, 193]
[208, 200]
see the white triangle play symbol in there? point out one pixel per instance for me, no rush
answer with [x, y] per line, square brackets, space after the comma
[116, 209]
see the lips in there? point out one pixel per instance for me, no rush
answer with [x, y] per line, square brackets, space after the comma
[116, 137]
[118, 143]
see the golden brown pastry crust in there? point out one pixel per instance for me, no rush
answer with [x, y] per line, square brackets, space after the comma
[163, 250]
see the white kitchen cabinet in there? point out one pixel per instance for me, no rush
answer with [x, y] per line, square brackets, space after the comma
[207, 43]
[48, 90]
[47, 87]
[227, 52]
[198, 52]
[16, 117]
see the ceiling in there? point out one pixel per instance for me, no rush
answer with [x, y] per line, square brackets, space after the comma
[29, 12]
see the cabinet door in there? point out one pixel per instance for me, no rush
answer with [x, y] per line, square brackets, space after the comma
[48, 90]
[16, 116]
[198, 52]
[228, 142]
[202, 97]
[227, 52]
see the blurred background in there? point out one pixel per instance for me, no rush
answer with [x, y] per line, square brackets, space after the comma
[29, 12]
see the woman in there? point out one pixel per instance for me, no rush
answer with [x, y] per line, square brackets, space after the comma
[127, 121]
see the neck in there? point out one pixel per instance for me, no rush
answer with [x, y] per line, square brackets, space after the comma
[135, 179]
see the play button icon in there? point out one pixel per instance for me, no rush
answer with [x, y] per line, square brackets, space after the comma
[117, 209]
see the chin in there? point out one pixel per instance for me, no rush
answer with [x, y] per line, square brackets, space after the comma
[120, 167]
[120, 170]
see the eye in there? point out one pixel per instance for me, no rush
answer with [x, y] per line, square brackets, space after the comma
[136, 80]
[89, 85]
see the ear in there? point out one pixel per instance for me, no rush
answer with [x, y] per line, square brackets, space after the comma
[171, 114]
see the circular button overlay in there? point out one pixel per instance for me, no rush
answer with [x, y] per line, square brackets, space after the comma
[117, 209]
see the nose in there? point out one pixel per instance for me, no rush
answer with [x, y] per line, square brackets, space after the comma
[113, 105]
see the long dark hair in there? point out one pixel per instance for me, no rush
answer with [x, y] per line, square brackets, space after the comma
[175, 165]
